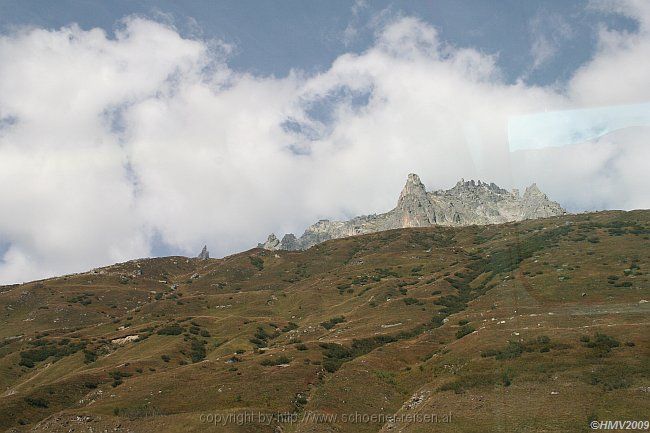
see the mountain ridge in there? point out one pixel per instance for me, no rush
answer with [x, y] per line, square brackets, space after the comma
[467, 203]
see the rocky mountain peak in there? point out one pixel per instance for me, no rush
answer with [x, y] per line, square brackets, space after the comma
[204, 254]
[413, 190]
[413, 185]
[537, 205]
[478, 187]
[468, 202]
[272, 243]
[413, 207]
[533, 190]
[289, 242]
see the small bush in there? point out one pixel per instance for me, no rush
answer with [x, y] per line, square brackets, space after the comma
[257, 262]
[602, 344]
[198, 352]
[331, 365]
[257, 342]
[170, 330]
[464, 330]
[25, 362]
[301, 400]
[275, 361]
[89, 356]
[37, 402]
[612, 377]
[332, 322]
[505, 379]
[289, 327]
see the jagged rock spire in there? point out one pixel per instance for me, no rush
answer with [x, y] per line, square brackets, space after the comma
[204, 254]
[413, 207]
[413, 187]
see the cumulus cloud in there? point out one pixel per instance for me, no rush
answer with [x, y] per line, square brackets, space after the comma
[618, 73]
[111, 145]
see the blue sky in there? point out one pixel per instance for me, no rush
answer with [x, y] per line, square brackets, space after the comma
[272, 37]
[131, 129]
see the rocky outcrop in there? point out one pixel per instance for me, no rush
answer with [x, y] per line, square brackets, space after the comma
[537, 205]
[467, 203]
[272, 243]
[204, 254]
[289, 242]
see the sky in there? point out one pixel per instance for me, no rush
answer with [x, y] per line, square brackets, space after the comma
[136, 129]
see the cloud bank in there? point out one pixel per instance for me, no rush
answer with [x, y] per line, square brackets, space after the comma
[113, 148]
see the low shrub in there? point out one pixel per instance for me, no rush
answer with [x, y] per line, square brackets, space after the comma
[257, 262]
[275, 361]
[170, 330]
[464, 330]
[602, 344]
[329, 324]
[37, 402]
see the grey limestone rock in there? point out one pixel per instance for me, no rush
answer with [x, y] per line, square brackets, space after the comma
[289, 242]
[467, 203]
[204, 254]
[272, 243]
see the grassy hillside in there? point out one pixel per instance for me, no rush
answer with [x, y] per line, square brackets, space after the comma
[538, 326]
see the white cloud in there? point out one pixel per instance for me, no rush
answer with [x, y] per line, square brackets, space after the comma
[351, 32]
[67, 201]
[618, 73]
[549, 32]
[107, 141]
[604, 173]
